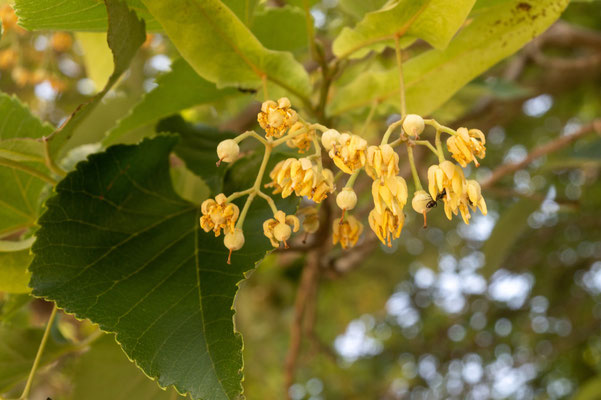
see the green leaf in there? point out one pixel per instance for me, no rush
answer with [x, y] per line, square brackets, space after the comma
[590, 390]
[197, 149]
[104, 372]
[508, 229]
[126, 34]
[19, 145]
[358, 8]
[435, 21]
[281, 28]
[177, 90]
[222, 49]
[118, 246]
[431, 78]
[12, 305]
[97, 57]
[13, 271]
[18, 348]
[72, 15]
[244, 9]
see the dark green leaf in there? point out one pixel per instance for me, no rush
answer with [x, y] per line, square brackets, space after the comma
[176, 90]
[119, 247]
[197, 149]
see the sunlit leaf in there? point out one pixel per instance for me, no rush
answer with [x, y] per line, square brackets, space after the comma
[222, 49]
[435, 21]
[72, 15]
[176, 90]
[433, 77]
[125, 35]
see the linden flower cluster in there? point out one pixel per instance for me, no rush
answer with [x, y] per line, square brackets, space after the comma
[305, 176]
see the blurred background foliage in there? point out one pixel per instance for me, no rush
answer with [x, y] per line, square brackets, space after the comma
[508, 307]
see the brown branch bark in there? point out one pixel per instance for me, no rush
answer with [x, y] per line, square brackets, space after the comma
[554, 145]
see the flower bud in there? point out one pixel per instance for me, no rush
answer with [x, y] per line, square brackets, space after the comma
[228, 150]
[346, 199]
[284, 102]
[329, 138]
[234, 240]
[421, 202]
[268, 105]
[413, 125]
[282, 232]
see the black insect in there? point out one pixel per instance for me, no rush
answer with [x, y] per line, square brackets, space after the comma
[433, 203]
[441, 195]
[244, 90]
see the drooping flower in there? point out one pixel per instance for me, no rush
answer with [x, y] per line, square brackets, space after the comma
[467, 145]
[276, 118]
[302, 177]
[280, 227]
[301, 141]
[447, 182]
[349, 152]
[390, 193]
[218, 214]
[382, 161]
[472, 198]
[386, 225]
[347, 232]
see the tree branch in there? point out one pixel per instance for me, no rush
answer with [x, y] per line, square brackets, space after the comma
[552, 146]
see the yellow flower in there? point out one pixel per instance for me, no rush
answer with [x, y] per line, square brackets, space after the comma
[349, 152]
[467, 145]
[280, 227]
[447, 182]
[219, 214]
[472, 198]
[382, 161]
[347, 232]
[386, 225]
[390, 193]
[302, 177]
[303, 141]
[276, 118]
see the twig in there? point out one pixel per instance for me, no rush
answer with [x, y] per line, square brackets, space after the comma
[554, 145]
[38, 356]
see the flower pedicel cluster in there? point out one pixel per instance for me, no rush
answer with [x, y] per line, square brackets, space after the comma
[351, 154]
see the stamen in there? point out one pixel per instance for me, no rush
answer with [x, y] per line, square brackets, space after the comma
[285, 244]
[218, 163]
[229, 258]
[305, 237]
[425, 219]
